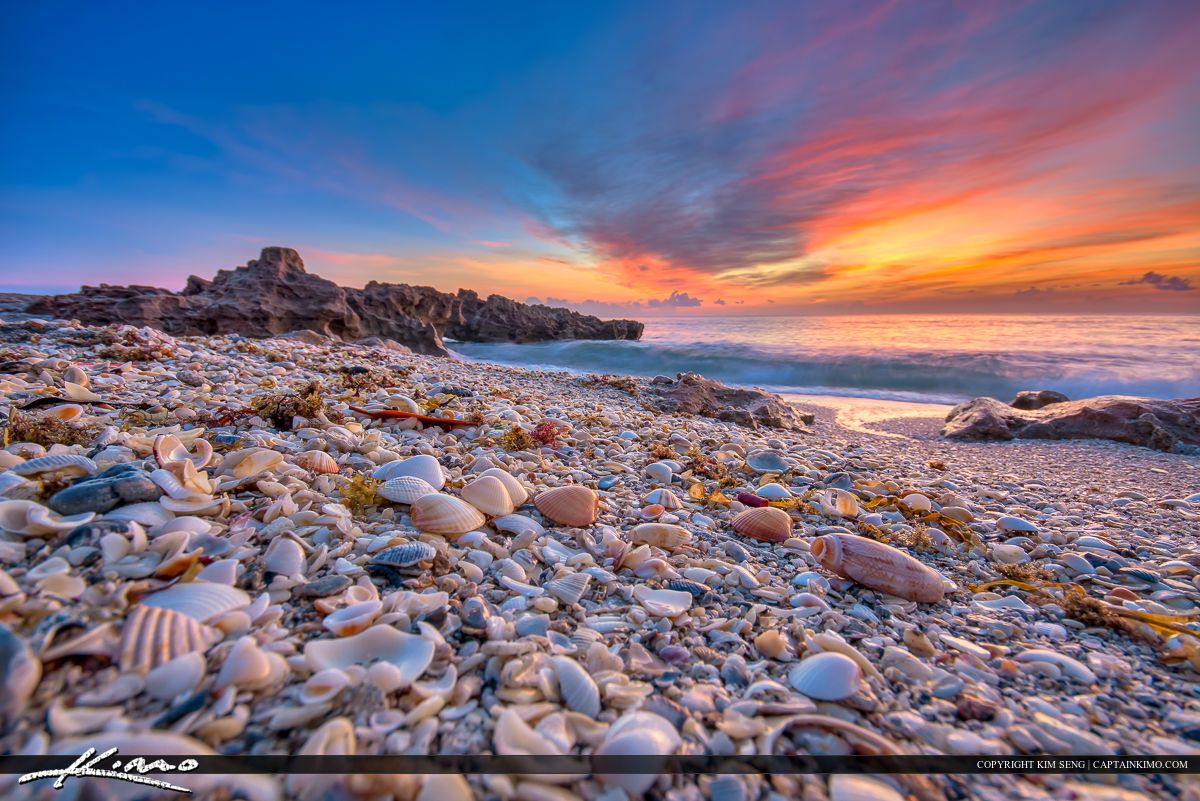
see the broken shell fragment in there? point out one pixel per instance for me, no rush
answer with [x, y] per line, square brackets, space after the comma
[660, 535]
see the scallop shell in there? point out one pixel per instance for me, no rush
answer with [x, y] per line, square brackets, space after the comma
[405, 489]
[31, 519]
[664, 603]
[200, 600]
[169, 449]
[422, 466]
[637, 733]
[577, 688]
[516, 490]
[826, 677]
[489, 495]
[569, 588]
[317, 462]
[663, 497]
[764, 523]
[250, 462]
[661, 535]
[284, 556]
[571, 505]
[445, 514]
[181, 675]
[408, 652]
[66, 463]
[350, 620]
[879, 567]
[152, 636]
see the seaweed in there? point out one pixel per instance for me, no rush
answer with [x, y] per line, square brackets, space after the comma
[1028, 572]
[621, 382]
[517, 439]
[44, 430]
[282, 407]
[548, 433]
[359, 493]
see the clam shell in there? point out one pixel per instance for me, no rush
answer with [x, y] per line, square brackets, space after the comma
[660, 535]
[515, 489]
[838, 503]
[764, 523]
[317, 462]
[202, 601]
[917, 502]
[569, 588]
[578, 690]
[445, 514]
[422, 466]
[249, 667]
[408, 652]
[250, 462]
[637, 734]
[826, 677]
[663, 497]
[572, 505]
[659, 471]
[78, 392]
[181, 675]
[33, 520]
[773, 492]
[518, 525]
[64, 412]
[489, 495]
[350, 620]
[76, 375]
[284, 556]
[325, 685]
[153, 636]
[664, 603]
[67, 463]
[766, 461]
[405, 489]
[879, 567]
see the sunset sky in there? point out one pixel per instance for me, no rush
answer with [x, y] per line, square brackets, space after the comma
[626, 158]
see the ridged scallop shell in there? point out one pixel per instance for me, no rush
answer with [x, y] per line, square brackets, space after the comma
[404, 555]
[66, 463]
[31, 519]
[664, 603]
[152, 636]
[422, 466]
[516, 490]
[637, 733]
[661, 535]
[577, 688]
[250, 462]
[350, 620]
[663, 497]
[569, 588]
[826, 677]
[572, 505]
[169, 449]
[879, 567]
[445, 514]
[200, 600]
[405, 489]
[410, 653]
[764, 523]
[317, 462]
[284, 556]
[489, 495]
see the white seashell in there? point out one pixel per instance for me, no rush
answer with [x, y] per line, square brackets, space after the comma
[917, 502]
[65, 412]
[660, 535]
[198, 505]
[766, 461]
[325, 685]
[659, 471]
[518, 525]
[570, 505]
[410, 653]
[850, 787]
[317, 462]
[150, 514]
[832, 641]
[515, 490]
[445, 514]
[664, 603]
[334, 738]
[1009, 554]
[172, 679]
[168, 449]
[284, 556]
[512, 736]
[65, 463]
[773, 491]
[405, 489]
[250, 462]
[76, 375]
[663, 497]
[153, 637]
[249, 667]
[352, 619]
[445, 787]
[578, 690]
[1010, 523]
[78, 392]
[826, 677]
[34, 520]
[422, 466]
[1071, 667]
[569, 588]
[489, 495]
[838, 503]
[637, 734]
[200, 600]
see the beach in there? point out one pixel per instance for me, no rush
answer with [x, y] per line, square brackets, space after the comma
[206, 543]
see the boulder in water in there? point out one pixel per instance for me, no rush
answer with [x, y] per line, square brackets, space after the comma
[1037, 398]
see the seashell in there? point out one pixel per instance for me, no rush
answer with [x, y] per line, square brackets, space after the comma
[317, 462]
[21, 671]
[637, 733]
[695, 589]
[773, 491]
[659, 471]
[727, 788]
[172, 679]
[65, 463]
[766, 461]
[572, 505]
[838, 503]
[8, 459]
[405, 489]
[284, 556]
[410, 653]
[660, 535]
[445, 514]
[664, 603]
[250, 462]
[152, 636]
[879, 567]
[917, 502]
[197, 505]
[850, 787]
[1010, 523]
[445, 787]
[515, 490]
[78, 392]
[350, 620]
[765, 523]
[325, 685]
[512, 736]
[518, 525]
[65, 412]
[577, 688]
[422, 466]
[400, 556]
[569, 588]
[1071, 667]
[663, 497]
[249, 667]
[150, 514]
[651, 512]
[489, 495]
[826, 677]
[168, 449]
[202, 601]
[31, 519]
[1009, 554]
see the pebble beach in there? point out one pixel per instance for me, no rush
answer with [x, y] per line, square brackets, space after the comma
[236, 546]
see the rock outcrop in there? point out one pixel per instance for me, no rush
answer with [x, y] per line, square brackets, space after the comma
[1164, 425]
[1037, 398]
[274, 294]
[689, 393]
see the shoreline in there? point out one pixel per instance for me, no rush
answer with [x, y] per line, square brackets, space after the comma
[998, 670]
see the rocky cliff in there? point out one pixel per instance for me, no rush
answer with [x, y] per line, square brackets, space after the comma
[275, 294]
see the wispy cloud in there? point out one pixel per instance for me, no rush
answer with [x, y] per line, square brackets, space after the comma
[1168, 283]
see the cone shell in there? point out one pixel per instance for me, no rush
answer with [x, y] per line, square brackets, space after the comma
[489, 495]
[405, 489]
[515, 490]
[764, 523]
[571, 505]
[879, 567]
[152, 637]
[317, 462]
[661, 535]
[445, 514]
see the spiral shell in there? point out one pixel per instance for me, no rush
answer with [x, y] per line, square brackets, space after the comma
[405, 489]
[571, 505]
[764, 523]
[317, 462]
[879, 567]
[489, 495]
[445, 514]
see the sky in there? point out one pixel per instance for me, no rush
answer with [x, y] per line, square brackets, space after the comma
[622, 158]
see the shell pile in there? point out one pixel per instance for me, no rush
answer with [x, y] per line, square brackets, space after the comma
[188, 570]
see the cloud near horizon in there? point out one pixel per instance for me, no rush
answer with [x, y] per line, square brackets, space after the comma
[1171, 283]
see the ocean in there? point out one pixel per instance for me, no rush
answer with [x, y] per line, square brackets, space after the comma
[916, 358]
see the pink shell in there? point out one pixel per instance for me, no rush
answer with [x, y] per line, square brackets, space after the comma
[764, 523]
[879, 567]
[571, 505]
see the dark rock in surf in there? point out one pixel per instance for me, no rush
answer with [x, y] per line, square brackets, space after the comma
[1037, 398]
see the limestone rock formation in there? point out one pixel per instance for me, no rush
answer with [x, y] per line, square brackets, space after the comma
[1037, 398]
[690, 393]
